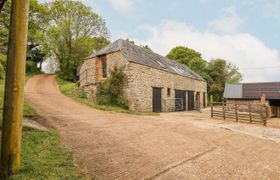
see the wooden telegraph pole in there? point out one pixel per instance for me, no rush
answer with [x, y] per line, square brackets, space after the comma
[14, 88]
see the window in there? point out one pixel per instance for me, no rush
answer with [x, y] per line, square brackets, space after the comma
[160, 64]
[104, 67]
[168, 92]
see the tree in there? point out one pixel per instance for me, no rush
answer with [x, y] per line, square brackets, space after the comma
[183, 54]
[217, 72]
[73, 27]
[36, 28]
[222, 72]
[4, 27]
[100, 42]
[2, 2]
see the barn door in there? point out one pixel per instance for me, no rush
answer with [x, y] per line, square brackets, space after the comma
[190, 100]
[156, 99]
[180, 100]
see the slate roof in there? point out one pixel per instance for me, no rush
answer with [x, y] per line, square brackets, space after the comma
[146, 57]
[252, 90]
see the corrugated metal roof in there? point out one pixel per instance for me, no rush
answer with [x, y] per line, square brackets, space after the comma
[252, 90]
[146, 57]
[256, 90]
[233, 91]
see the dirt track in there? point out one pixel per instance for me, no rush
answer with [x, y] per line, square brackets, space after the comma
[170, 146]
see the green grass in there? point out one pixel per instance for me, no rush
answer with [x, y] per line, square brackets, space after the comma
[28, 111]
[67, 88]
[42, 155]
[44, 158]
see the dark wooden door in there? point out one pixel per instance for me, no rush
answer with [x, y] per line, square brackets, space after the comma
[156, 99]
[180, 100]
[190, 100]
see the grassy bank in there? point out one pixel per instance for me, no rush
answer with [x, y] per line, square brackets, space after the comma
[67, 88]
[28, 111]
[42, 155]
[44, 158]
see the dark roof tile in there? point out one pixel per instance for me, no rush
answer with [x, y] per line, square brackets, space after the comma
[146, 57]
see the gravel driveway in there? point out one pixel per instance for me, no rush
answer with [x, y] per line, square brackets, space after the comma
[109, 145]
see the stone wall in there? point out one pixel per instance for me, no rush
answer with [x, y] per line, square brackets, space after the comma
[89, 70]
[141, 80]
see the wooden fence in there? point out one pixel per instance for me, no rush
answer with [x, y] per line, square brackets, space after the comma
[240, 112]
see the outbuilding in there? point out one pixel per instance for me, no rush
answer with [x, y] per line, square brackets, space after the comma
[155, 83]
[255, 93]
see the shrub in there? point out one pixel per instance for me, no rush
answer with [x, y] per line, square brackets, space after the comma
[111, 90]
[31, 67]
[82, 94]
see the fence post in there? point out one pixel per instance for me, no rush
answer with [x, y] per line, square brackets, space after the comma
[224, 111]
[250, 112]
[267, 109]
[211, 102]
[236, 112]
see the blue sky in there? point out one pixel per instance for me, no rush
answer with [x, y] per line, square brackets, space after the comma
[245, 32]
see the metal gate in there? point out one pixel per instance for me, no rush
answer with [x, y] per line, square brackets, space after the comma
[179, 104]
[180, 100]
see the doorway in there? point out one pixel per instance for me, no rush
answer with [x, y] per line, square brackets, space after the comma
[190, 100]
[156, 99]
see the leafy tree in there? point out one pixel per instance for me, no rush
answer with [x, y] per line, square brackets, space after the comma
[36, 28]
[217, 72]
[2, 2]
[100, 42]
[183, 54]
[222, 72]
[73, 27]
[4, 27]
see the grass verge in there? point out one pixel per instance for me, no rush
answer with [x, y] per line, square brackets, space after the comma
[42, 155]
[44, 158]
[67, 88]
[28, 111]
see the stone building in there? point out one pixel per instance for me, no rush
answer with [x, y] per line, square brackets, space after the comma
[155, 83]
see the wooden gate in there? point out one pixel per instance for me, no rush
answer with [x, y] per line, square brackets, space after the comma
[240, 112]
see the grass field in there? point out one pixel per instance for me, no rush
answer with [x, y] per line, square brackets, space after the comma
[42, 155]
[67, 89]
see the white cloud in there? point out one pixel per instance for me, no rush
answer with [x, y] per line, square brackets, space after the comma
[122, 6]
[229, 22]
[242, 49]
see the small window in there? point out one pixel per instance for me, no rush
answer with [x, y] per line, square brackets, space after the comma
[160, 64]
[104, 67]
[168, 92]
